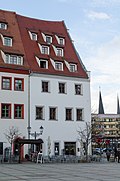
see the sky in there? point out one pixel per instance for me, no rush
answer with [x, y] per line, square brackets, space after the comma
[94, 26]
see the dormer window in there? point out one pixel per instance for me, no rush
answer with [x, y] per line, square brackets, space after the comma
[61, 41]
[7, 41]
[33, 36]
[48, 39]
[42, 63]
[13, 59]
[58, 65]
[72, 67]
[59, 52]
[3, 26]
[45, 50]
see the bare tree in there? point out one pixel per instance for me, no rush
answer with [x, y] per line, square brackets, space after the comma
[85, 137]
[10, 135]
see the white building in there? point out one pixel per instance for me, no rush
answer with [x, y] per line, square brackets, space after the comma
[56, 92]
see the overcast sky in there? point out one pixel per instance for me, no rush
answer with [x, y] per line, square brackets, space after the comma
[94, 25]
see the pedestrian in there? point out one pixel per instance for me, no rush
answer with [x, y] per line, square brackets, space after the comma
[115, 154]
[118, 154]
[108, 155]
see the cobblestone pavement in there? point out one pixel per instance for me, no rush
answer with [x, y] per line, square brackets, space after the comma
[60, 172]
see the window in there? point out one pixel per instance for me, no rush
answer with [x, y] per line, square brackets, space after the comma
[33, 36]
[52, 113]
[45, 50]
[7, 83]
[56, 148]
[48, 39]
[45, 86]
[3, 26]
[69, 114]
[58, 66]
[5, 110]
[73, 67]
[43, 64]
[60, 52]
[79, 114]
[39, 112]
[62, 88]
[19, 111]
[13, 59]
[7, 41]
[61, 41]
[18, 84]
[78, 89]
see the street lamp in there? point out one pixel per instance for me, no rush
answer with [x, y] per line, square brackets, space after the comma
[35, 134]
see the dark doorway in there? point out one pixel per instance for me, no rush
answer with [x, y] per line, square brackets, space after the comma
[70, 148]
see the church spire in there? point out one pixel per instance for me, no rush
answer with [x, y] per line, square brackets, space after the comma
[118, 105]
[101, 108]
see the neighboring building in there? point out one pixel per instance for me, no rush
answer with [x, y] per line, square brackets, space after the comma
[106, 127]
[57, 93]
[14, 72]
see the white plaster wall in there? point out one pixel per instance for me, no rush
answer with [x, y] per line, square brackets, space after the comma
[59, 130]
[14, 97]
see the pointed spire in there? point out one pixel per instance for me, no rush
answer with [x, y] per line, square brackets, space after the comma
[101, 108]
[118, 105]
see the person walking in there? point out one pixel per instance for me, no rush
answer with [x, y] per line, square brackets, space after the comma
[108, 155]
[118, 154]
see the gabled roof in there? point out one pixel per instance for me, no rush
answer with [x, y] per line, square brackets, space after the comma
[51, 28]
[18, 28]
[12, 31]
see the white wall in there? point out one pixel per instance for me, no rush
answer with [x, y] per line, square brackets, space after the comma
[59, 130]
[14, 97]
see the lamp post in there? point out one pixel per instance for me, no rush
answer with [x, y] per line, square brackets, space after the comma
[35, 134]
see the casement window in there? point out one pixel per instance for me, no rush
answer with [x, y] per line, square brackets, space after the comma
[61, 41]
[59, 52]
[19, 111]
[48, 39]
[42, 63]
[13, 59]
[39, 113]
[45, 50]
[53, 113]
[3, 26]
[5, 110]
[73, 67]
[62, 88]
[58, 65]
[78, 89]
[79, 114]
[18, 84]
[45, 86]
[69, 115]
[33, 36]
[7, 41]
[6, 83]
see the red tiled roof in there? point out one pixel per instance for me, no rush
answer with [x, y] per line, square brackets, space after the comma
[50, 28]
[18, 27]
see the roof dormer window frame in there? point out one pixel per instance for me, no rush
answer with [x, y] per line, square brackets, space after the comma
[48, 39]
[60, 40]
[33, 36]
[7, 41]
[59, 51]
[43, 63]
[58, 66]
[72, 67]
[45, 49]
[3, 25]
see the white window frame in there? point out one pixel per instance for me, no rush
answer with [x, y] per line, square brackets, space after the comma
[81, 92]
[50, 37]
[7, 41]
[56, 113]
[82, 114]
[59, 66]
[71, 65]
[63, 41]
[59, 52]
[70, 108]
[42, 60]
[64, 83]
[32, 34]
[13, 59]
[46, 50]
[48, 86]
[3, 26]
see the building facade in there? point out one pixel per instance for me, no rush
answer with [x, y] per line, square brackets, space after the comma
[56, 92]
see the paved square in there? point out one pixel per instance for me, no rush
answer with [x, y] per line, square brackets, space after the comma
[60, 172]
